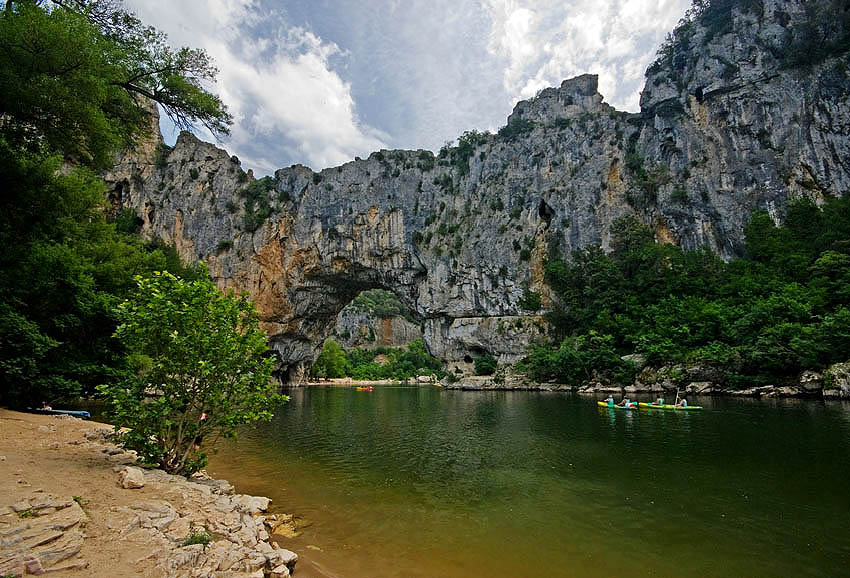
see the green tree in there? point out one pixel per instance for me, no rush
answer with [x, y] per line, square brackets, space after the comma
[64, 269]
[331, 362]
[762, 319]
[74, 77]
[485, 365]
[202, 369]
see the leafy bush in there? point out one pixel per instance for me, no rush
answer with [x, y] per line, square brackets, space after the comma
[516, 127]
[128, 222]
[679, 195]
[331, 362]
[426, 161]
[380, 303]
[201, 369]
[257, 203]
[162, 152]
[530, 301]
[400, 363]
[485, 365]
[445, 182]
[196, 536]
[466, 145]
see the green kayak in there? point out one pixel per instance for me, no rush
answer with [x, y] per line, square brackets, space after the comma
[632, 405]
[669, 406]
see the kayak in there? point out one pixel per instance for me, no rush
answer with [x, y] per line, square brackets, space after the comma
[615, 406]
[75, 413]
[670, 406]
[370, 388]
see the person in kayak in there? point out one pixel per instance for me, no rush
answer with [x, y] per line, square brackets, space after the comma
[610, 400]
[658, 401]
[625, 402]
[682, 403]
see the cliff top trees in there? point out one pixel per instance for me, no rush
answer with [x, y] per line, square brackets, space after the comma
[74, 76]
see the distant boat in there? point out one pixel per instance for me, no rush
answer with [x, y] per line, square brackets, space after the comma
[75, 413]
[364, 388]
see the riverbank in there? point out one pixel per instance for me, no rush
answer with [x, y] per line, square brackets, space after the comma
[350, 382]
[834, 383]
[73, 504]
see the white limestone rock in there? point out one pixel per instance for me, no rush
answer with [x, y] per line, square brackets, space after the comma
[131, 478]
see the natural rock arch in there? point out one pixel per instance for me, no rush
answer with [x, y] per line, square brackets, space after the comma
[461, 236]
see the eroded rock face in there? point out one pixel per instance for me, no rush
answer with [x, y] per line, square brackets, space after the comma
[725, 128]
[837, 381]
[362, 329]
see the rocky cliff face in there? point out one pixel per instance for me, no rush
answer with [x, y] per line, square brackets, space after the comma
[728, 124]
[362, 329]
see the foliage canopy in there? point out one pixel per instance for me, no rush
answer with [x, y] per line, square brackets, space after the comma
[73, 77]
[398, 363]
[201, 369]
[762, 319]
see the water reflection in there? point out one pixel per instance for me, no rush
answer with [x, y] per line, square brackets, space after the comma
[423, 482]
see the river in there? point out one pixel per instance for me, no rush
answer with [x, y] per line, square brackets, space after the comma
[420, 481]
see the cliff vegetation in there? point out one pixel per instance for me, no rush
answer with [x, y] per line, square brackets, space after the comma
[759, 320]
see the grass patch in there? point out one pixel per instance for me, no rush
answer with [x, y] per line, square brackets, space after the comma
[197, 536]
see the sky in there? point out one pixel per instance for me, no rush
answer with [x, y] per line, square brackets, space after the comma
[318, 82]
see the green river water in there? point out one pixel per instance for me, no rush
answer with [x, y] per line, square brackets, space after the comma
[421, 481]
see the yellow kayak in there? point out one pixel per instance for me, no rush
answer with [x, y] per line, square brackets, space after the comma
[669, 406]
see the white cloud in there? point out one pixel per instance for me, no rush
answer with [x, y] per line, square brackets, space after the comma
[511, 36]
[614, 38]
[310, 81]
[285, 97]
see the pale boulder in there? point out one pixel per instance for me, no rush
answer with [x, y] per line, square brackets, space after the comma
[131, 478]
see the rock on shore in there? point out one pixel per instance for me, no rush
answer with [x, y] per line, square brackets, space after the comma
[153, 523]
[834, 383]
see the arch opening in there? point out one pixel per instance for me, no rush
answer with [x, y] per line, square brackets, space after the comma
[375, 337]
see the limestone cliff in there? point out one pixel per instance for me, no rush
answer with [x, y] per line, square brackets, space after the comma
[362, 329]
[729, 123]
